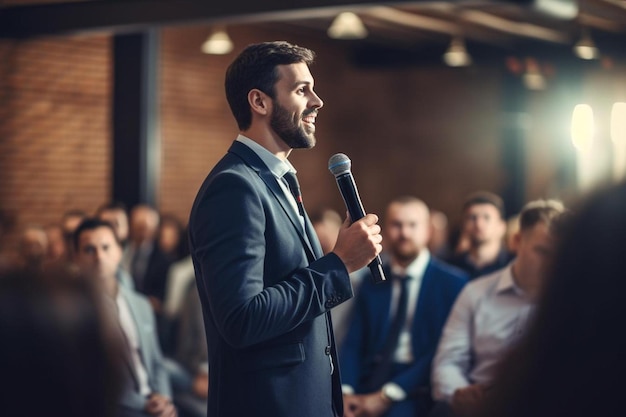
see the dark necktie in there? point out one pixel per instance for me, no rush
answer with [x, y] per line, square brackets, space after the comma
[383, 370]
[294, 187]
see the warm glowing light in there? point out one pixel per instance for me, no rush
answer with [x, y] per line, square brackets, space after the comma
[618, 136]
[456, 55]
[218, 43]
[582, 127]
[618, 123]
[585, 48]
[347, 25]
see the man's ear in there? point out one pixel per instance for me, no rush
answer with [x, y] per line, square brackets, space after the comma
[260, 102]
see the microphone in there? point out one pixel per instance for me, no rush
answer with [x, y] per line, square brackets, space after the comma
[339, 165]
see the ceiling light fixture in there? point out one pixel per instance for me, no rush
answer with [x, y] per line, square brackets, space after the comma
[585, 48]
[456, 55]
[347, 25]
[218, 43]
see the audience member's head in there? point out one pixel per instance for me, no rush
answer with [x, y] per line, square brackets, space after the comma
[406, 229]
[33, 247]
[326, 223]
[171, 236]
[144, 224]
[115, 213]
[438, 242]
[69, 222]
[572, 362]
[535, 244]
[58, 355]
[483, 219]
[57, 249]
[98, 251]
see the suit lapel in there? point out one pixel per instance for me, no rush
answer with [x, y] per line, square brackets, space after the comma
[253, 160]
[138, 318]
[422, 299]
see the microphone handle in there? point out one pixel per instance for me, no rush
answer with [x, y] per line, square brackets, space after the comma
[350, 194]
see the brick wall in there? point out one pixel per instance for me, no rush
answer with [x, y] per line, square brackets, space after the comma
[428, 131]
[54, 126]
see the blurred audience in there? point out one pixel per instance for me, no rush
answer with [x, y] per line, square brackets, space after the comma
[33, 248]
[512, 228]
[571, 361]
[57, 250]
[59, 355]
[146, 262]
[438, 242]
[326, 223]
[386, 357]
[484, 227]
[192, 380]
[491, 313]
[172, 238]
[115, 214]
[69, 222]
[147, 390]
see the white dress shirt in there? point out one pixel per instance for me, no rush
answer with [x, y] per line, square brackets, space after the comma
[489, 315]
[415, 272]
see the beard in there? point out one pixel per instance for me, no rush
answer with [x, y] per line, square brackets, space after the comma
[292, 131]
[404, 251]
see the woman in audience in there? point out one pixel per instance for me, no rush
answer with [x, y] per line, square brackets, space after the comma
[573, 360]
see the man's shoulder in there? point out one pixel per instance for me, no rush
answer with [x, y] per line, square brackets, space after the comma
[485, 283]
[446, 270]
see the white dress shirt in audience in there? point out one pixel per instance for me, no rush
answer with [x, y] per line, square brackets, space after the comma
[488, 316]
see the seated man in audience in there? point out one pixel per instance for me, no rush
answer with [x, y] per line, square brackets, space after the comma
[484, 226]
[115, 214]
[385, 359]
[147, 393]
[33, 248]
[491, 313]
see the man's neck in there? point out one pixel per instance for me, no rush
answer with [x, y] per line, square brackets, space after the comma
[268, 139]
[485, 253]
[521, 281]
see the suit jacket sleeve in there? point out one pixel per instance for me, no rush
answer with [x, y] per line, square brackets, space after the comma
[229, 239]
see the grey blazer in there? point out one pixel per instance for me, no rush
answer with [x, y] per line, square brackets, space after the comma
[150, 352]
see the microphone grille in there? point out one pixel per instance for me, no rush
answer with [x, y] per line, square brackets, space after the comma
[339, 164]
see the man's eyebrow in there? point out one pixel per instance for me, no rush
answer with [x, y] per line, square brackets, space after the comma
[299, 83]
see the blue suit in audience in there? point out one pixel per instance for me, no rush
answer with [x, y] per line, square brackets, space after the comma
[370, 325]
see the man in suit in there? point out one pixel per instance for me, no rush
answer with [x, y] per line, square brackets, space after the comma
[396, 326]
[265, 286]
[98, 253]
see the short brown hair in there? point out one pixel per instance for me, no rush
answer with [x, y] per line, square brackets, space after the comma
[485, 197]
[548, 212]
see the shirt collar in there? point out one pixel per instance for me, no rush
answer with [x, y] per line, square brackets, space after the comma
[277, 166]
[416, 269]
[506, 283]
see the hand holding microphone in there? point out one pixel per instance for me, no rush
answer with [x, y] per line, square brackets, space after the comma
[358, 244]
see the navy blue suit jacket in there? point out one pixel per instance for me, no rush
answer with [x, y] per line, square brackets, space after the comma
[266, 292]
[369, 328]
